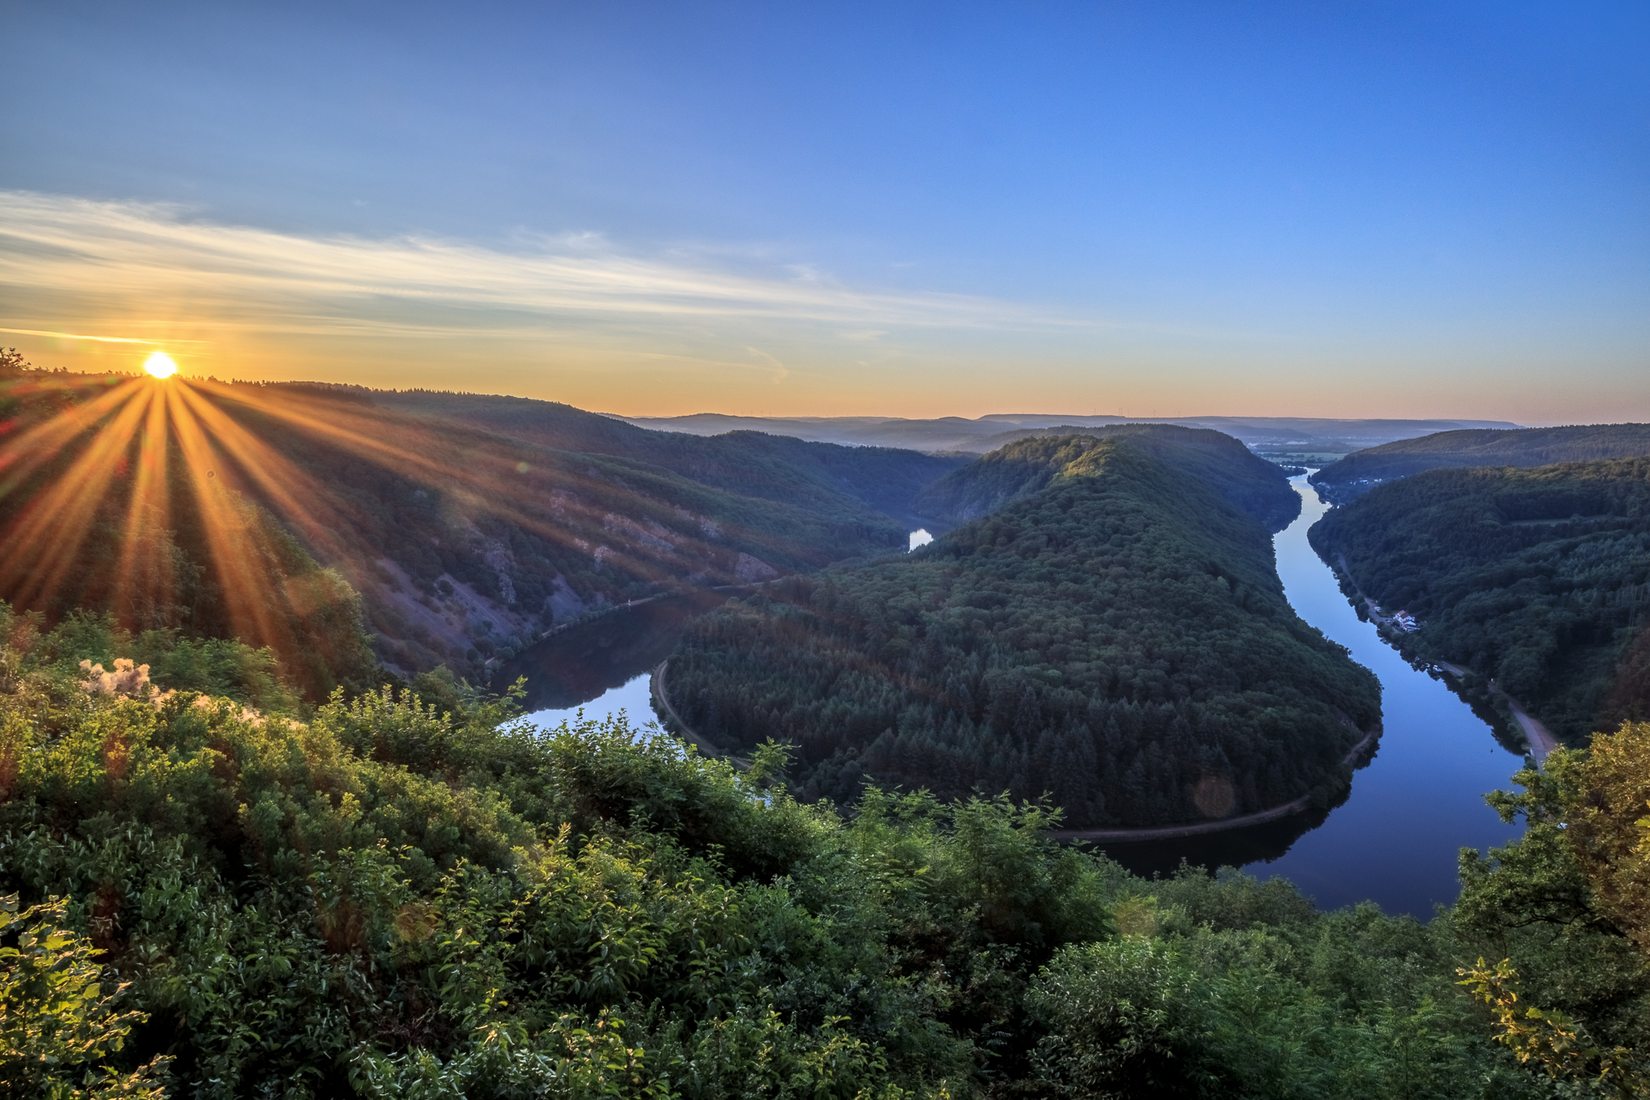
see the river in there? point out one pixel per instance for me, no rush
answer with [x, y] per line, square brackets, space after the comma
[1395, 839]
[601, 666]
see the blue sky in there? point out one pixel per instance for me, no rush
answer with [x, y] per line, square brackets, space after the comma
[1326, 209]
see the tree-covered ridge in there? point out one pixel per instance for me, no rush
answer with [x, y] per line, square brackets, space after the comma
[467, 525]
[382, 899]
[1219, 462]
[1118, 638]
[1539, 578]
[1361, 471]
[1567, 911]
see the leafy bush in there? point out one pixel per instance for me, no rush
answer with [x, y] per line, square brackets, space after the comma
[388, 898]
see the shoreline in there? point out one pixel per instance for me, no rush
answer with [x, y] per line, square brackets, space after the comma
[1537, 736]
[672, 721]
[1128, 833]
[1538, 739]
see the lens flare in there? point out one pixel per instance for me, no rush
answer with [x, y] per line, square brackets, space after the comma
[159, 365]
[159, 492]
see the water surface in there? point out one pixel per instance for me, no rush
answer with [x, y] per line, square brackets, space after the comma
[601, 665]
[633, 699]
[1397, 837]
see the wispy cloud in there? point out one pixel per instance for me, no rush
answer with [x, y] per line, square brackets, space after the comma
[55, 335]
[778, 371]
[126, 253]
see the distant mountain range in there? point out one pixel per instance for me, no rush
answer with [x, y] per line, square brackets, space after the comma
[1306, 436]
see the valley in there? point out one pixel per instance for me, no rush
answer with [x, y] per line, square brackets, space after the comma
[1097, 623]
[1103, 623]
[640, 551]
[1005, 708]
[1394, 837]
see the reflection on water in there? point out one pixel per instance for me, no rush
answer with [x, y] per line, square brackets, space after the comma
[1397, 837]
[599, 663]
[633, 698]
[1251, 848]
[919, 537]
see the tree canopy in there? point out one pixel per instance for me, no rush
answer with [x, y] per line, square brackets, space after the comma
[1361, 471]
[450, 528]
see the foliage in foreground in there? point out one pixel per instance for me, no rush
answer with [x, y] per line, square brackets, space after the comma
[388, 900]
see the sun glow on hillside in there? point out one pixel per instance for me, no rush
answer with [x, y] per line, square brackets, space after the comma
[160, 365]
[125, 471]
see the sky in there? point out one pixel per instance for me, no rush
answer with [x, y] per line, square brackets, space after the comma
[1347, 209]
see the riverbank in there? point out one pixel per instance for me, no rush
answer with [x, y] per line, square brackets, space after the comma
[1126, 834]
[1394, 837]
[668, 717]
[672, 721]
[1538, 739]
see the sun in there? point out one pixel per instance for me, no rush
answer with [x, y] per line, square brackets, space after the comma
[160, 365]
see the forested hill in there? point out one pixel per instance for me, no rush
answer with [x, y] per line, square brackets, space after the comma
[1218, 461]
[467, 525]
[1539, 578]
[1361, 471]
[1117, 637]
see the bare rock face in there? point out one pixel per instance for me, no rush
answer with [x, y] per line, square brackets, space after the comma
[750, 569]
[502, 562]
[652, 534]
[436, 629]
[564, 603]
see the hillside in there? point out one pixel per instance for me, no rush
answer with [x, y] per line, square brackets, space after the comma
[751, 462]
[1539, 578]
[1114, 632]
[452, 528]
[1238, 477]
[197, 899]
[1361, 471]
